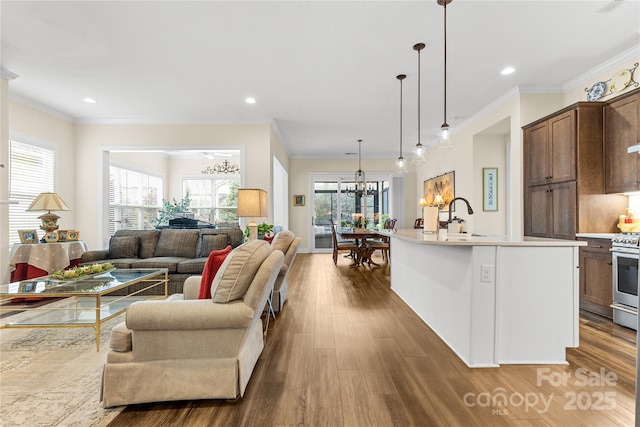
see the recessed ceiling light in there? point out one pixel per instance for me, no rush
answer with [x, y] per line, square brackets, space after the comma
[89, 100]
[507, 71]
[250, 100]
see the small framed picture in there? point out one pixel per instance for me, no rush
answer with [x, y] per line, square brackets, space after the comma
[298, 200]
[73, 235]
[28, 236]
[62, 235]
[27, 286]
[51, 236]
[490, 189]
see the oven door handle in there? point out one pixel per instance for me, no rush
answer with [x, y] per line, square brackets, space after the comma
[622, 308]
[631, 251]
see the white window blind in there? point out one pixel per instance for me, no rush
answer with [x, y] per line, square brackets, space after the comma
[134, 199]
[32, 171]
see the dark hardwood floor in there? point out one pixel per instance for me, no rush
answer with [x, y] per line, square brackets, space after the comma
[346, 351]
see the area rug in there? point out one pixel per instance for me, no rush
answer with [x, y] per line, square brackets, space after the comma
[51, 377]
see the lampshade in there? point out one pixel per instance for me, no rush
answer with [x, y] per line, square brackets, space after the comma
[252, 202]
[48, 202]
[422, 202]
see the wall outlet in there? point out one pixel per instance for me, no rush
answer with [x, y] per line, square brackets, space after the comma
[486, 273]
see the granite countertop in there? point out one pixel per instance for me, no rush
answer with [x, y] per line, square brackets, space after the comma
[464, 239]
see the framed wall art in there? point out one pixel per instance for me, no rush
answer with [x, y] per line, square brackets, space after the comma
[441, 185]
[490, 189]
[298, 200]
[28, 236]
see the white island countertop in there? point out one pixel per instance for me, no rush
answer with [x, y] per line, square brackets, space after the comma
[493, 299]
[471, 239]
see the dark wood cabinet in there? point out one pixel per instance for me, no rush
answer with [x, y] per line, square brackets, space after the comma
[622, 130]
[564, 175]
[596, 286]
[552, 210]
[552, 150]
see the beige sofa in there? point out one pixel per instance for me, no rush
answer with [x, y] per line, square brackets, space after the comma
[287, 242]
[183, 252]
[184, 348]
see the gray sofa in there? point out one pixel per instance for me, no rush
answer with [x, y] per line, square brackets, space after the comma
[183, 252]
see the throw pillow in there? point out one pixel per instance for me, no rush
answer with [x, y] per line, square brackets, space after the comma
[282, 241]
[215, 260]
[240, 267]
[124, 247]
[177, 243]
[213, 242]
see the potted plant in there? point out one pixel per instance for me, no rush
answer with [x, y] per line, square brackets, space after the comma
[173, 209]
[264, 229]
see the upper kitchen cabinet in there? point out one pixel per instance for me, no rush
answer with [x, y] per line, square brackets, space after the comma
[622, 130]
[552, 145]
[564, 175]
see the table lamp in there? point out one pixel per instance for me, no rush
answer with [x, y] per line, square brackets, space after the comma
[252, 203]
[48, 202]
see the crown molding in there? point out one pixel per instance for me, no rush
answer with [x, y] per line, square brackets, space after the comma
[631, 54]
[40, 107]
[7, 75]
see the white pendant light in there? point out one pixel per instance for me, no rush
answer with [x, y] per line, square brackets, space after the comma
[445, 129]
[419, 150]
[401, 163]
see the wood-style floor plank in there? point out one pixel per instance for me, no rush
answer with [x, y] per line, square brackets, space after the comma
[346, 351]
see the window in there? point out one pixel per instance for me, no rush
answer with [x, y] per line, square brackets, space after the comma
[213, 200]
[32, 171]
[134, 199]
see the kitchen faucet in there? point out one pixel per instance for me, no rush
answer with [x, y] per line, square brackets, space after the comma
[469, 210]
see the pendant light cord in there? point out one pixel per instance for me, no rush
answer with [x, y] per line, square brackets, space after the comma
[419, 96]
[445, 63]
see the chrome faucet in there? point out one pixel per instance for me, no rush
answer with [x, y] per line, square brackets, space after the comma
[469, 210]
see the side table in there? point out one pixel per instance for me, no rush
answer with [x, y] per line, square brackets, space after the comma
[28, 261]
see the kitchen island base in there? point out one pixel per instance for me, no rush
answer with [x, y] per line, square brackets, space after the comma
[492, 304]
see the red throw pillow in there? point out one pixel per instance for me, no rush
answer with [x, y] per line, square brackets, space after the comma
[215, 260]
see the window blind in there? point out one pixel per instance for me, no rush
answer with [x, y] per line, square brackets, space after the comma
[31, 172]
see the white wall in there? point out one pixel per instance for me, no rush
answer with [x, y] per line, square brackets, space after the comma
[490, 151]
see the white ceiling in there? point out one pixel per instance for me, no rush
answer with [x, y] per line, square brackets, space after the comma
[323, 71]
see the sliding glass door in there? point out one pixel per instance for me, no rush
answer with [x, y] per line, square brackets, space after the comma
[334, 201]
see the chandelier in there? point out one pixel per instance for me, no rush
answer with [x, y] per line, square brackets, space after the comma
[361, 187]
[224, 167]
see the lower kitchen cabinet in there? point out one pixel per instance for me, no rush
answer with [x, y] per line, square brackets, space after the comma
[596, 287]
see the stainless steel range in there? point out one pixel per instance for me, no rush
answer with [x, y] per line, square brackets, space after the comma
[625, 250]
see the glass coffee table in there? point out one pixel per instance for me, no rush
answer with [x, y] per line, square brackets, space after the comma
[82, 302]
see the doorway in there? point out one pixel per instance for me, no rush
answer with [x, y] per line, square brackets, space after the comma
[335, 202]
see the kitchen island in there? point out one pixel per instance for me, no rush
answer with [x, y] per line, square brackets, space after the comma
[492, 299]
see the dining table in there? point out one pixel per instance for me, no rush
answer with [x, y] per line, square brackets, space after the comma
[365, 250]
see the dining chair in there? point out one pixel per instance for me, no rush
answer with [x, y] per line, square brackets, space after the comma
[384, 245]
[343, 245]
